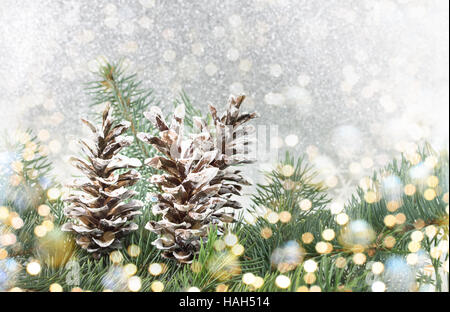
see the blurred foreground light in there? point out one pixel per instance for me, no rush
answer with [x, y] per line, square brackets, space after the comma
[272, 217]
[43, 210]
[336, 207]
[130, 269]
[378, 286]
[283, 281]
[287, 170]
[237, 250]
[230, 240]
[53, 194]
[3, 254]
[309, 278]
[285, 216]
[303, 289]
[134, 250]
[412, 259]
[389, 241]
[155, 269]
[310, 266]
[342, 219]
[134, 283]
[328, 234]
[116, 257]
[429, 194]
[307, 238]
[55, 288]
[258, 282]
[291, 140]
[266, 233]
[4, 213]
[221, 288]
[359, 258]
[157, 286]
[248, 278]
[417, 236]
[377, 268]
[410, 189]
[305, 204]
[431, 231]
[33, 268]
[341, 262]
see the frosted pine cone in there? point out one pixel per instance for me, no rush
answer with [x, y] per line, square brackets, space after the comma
[100, 207]
[196, 188]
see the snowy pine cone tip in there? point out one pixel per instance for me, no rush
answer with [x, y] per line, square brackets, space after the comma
[100, 206]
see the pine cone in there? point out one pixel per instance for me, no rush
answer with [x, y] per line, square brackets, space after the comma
[100, 209]
[196, 187]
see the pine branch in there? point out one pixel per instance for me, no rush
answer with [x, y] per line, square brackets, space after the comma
[25, 178]
[128, 99]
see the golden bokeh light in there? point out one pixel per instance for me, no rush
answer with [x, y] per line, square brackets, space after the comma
[307, 238]
[370, 197]
[237, 250]
[230, 240]
[33, 268]
[283, 281]
[400, 218]
[155, 269]
[414, 246]
[55, 287]
[157, 286]
[377, 268]
[310, 278]
[116, 257]
[389, 242]
[429, 194]
[266, 233]
[359, 258]
[328, 234]
[341, 262]
[130, 269]
[410, 189]
[134, 250]
[390, 221]
[272, 217]
[248, 278]
[417, 236]
[378, 286]
[305, 204]
[432, 181]
[342, 219]
[135, 283]
[412, 259]
[303, 289]
[43, 210]
[324, 247]
[53, 193]
[310, 266]
[285, 216]
[221, 288]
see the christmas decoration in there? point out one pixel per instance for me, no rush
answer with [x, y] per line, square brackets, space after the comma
[99, 209]
[197, 187]
[391, 235]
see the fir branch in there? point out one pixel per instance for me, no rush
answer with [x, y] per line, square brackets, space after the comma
[128, 99]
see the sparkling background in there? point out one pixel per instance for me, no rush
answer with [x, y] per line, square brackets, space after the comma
[352, 83]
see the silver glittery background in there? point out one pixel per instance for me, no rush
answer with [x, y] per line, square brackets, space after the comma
[357, 82]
